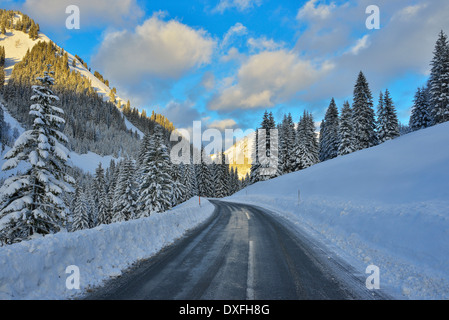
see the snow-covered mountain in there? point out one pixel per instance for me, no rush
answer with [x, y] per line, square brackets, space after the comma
[17, 43]
[387, 206]
[239, 155]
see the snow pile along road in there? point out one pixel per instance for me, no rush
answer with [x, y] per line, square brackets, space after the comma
[387, 206]
[36, 269]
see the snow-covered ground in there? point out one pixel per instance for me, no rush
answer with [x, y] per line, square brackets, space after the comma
[387, 206]
[16, 44]
[88, 162]
[36, 269]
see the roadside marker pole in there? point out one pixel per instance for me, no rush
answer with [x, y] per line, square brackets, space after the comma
[199, 199]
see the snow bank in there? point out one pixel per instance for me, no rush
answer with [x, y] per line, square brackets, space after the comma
[387, 206]
[36, 269]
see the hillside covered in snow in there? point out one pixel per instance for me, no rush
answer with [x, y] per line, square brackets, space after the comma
[386, 205]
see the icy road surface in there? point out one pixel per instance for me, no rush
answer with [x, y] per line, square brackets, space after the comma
[243, 253]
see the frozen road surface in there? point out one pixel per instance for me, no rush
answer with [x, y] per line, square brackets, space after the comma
[242, 253]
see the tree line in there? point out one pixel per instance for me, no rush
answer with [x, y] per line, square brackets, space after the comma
[355, 127]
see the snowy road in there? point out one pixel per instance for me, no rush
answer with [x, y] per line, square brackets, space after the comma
[242, 253]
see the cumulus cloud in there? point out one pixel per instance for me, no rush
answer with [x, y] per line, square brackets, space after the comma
[263, 44]
[361, 44]
[314, 10]
[266, 79]
[96, 13]
[236, 30]
[164, 49]
[240, 5]
[223, 124]
[403, 45]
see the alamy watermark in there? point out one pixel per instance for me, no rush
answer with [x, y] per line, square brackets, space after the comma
[73, 20]
[373, 20]
[373, 280]
[73, 280]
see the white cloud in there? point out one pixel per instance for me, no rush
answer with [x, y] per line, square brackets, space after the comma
[240, 5]
[312, 10]
[263, 44]
[92, 13]
[157, 48]
[236, 30]
[223, 124]
[401, 47]
[233, 54]
[361, 44]
[409, 11]
[266, 79]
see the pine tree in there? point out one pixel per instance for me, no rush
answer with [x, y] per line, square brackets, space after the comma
[189, 181]
[31, 203]
[155, 190]
[346, 131]
[439, 81]
[179, 189]
[205, 181]
[80, 214]
[2, 78]
[4, 130]
[329, 138]
[306, 150]
[363, 115]
[125, 193]
[420, 116]
[388, 125]
[255, 164]
[222, 177]
[287, 143]
[101, 199]
[311, 141]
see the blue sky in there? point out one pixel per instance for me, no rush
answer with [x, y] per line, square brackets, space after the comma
[226, 61]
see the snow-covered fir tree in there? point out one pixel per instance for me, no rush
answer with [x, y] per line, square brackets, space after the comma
[439, 81]
[80, 213]
[32, 202]
[346, 131]
[329, 138]
[205, 179]
[255, 164]
[223, 178]
[387, 120]
[4, 130]
[179, 189]
[216, 174]
[156, 185]
[101, 198]
[306, 150]
[125, 193]
[235, 181]
[420, 116]
[189, 180]
[92, 208]
[287, 144]
[363, 115]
